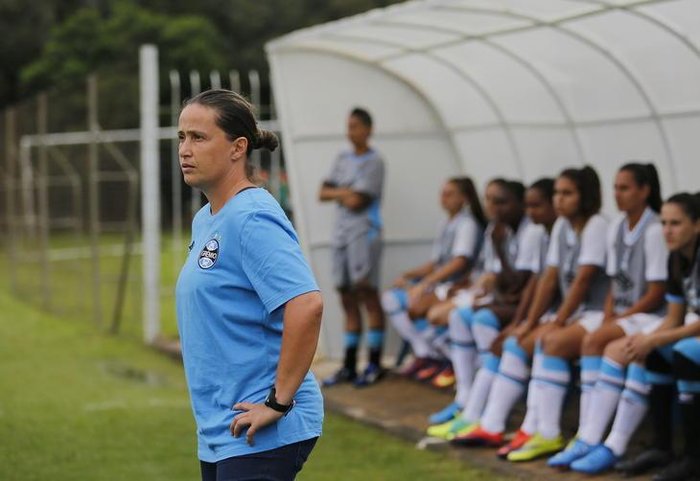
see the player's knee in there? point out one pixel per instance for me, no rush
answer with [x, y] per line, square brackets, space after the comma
[390, 301]
[554, 344]
[592, 344]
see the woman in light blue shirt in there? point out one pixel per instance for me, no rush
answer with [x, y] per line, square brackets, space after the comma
[248, 306]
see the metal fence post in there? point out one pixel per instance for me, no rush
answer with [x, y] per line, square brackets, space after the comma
[150, 190]
[43, 185]
[94, 200]
[10, 198]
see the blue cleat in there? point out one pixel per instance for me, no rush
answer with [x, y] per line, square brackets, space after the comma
[446, 414]
[575, 450]
[600, 459]
[341, 376]
[369, 376]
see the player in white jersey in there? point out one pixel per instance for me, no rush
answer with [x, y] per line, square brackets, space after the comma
[576, 265]
[475, 327]
[474, 287]
[671, 353]
[531, 259]
[454, 253]
[637, 258]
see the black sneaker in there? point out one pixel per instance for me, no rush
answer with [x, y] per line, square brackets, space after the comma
[681, 470]
[370, 375]
[645, 461]
[340, 376]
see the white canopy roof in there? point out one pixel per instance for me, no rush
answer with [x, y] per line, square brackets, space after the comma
[515, 88]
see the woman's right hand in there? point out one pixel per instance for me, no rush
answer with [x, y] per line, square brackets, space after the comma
[400, 282]
[639, 346]
[522, 330]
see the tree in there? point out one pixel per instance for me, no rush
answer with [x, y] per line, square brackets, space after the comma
[89, 40]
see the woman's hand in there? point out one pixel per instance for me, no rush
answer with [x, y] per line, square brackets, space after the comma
[400, 283]
[416, 291]
[522, 330]
[255, 417]
[639, 346]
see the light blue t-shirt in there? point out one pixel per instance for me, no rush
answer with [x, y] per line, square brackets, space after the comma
[244, 264]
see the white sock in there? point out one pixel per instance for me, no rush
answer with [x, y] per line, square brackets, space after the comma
[553, 376]
[404, 325]
[485, 328]
[480, 389]
[463, 355]
[529, 424]
[427, 340]
[604, 397]
[508, 387]
[630, 411]
[441, 344]
[590, 367]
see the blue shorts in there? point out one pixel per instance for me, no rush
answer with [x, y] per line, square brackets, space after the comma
[281, 464]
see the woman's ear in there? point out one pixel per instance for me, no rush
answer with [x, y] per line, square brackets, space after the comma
[239, 148]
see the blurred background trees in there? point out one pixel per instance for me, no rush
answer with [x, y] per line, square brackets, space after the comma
[54, 43]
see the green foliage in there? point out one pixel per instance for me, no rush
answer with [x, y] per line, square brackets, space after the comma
[89, 40]
[58, 42]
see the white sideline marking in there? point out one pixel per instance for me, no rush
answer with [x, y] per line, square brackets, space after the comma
[429, 441]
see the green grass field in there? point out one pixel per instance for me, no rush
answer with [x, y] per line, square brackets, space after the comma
[78, 405]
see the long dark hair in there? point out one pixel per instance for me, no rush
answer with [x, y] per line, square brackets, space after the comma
[689, 203]
[588, 186]
[236, 117]
[646, 174]
[517, 190]
[468, 190]
[546, 187]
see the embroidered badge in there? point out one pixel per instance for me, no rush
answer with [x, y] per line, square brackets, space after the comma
[208, 256]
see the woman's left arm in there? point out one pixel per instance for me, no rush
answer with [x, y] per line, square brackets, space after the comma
[302, 324]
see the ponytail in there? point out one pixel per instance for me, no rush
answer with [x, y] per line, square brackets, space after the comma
[646, 174]
[466, 187]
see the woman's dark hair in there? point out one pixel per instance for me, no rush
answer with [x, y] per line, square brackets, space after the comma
[236, 117]
[546, 187]
[689, 203]
[466, 187]
[362, 115]
[517, 190]
[645, 174]
[499, 181]
[588, 186]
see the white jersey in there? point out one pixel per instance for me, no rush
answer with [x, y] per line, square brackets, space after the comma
[568, 251]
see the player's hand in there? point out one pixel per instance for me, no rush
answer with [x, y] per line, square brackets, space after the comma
[522, 330]
[638, 347]
[400, 282]
[499, 233]
[254, 418]
[415, 292]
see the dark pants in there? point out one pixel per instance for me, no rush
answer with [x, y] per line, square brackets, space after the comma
[281, 464]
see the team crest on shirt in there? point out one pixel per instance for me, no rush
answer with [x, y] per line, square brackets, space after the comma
[209, 255]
